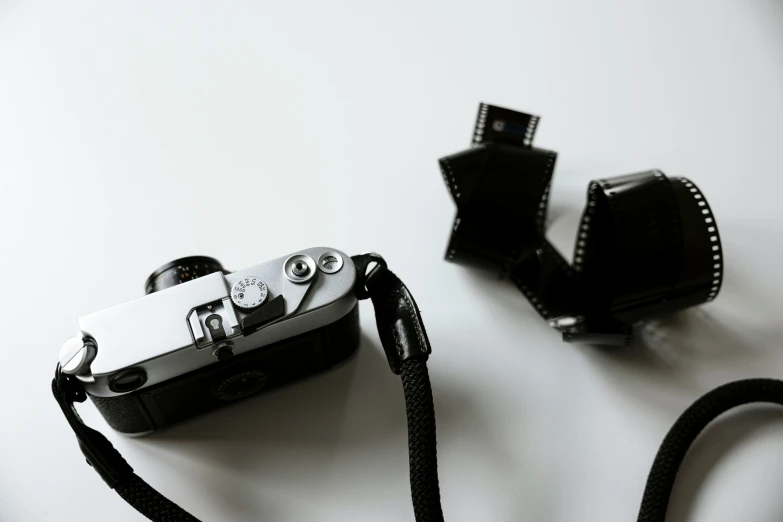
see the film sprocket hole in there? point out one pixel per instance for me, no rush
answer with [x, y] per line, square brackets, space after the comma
[646, 243]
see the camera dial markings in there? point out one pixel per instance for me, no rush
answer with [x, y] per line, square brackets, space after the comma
[249, 293]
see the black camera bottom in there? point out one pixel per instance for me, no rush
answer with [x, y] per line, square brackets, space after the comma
[224, 382]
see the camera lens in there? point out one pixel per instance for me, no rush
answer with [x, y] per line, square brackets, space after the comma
[181, 271]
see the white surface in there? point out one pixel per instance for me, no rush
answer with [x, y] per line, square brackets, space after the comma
[133, 134]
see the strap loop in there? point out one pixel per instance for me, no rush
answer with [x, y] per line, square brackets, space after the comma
[362, 261]
[398, 318]
[97, 449]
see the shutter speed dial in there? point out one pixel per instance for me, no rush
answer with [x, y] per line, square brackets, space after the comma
[249, 293]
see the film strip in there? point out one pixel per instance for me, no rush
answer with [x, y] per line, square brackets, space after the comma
[501, 188]
[646, 244]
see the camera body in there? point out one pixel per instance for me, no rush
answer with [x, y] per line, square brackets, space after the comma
[203, 337]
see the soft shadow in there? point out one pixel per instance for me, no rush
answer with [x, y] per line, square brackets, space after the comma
[693, 350]
[310, 411]
[559, 211]
[695, 336]
[708, 450]
[286, 435]
[471, 443]
[500, 298]
[676, 342]
[682, 354]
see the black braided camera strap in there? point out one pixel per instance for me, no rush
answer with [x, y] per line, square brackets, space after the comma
[690, 424]
[407, 348]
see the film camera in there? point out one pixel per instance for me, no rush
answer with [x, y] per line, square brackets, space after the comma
[203, 337]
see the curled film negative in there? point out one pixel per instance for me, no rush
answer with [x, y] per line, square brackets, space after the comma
[501, 188]
[646, 244]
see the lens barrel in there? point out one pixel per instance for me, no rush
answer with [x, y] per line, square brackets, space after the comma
[181, 271]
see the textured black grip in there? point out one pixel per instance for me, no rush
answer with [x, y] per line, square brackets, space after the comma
[160, 405]
[680, 437]
[421, 441]
[124, 413]
[150, 503]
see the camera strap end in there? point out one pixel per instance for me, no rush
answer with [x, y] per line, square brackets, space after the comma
[399, 322]
[97, 449]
